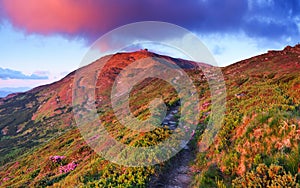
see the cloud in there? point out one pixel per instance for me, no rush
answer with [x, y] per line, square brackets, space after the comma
[217, 50]
[92, 18]
[273, 19]
[41, 73]
[13, 74]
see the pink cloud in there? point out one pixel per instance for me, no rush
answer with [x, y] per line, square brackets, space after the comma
[49, 16]
[92, 18]
[87, 18]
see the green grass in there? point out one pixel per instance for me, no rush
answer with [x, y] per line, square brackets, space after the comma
[265, 116]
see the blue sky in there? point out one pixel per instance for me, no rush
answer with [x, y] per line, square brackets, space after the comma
[42, 41]
[49, 57]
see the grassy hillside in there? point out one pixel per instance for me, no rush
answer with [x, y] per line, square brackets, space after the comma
[262, 124]
[41, 146]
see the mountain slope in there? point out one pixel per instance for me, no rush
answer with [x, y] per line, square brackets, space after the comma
[48, 115]
[261, 126]
[262, 120]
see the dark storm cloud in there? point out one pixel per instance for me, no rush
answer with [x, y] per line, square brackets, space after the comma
[92, 18]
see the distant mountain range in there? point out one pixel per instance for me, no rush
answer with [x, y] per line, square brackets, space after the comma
[9, 90]
[257, 146]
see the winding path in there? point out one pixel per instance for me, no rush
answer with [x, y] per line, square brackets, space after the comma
[176, 174]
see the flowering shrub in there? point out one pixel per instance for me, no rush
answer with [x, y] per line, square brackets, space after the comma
[57, 159]
[67, 168]
[6, 179]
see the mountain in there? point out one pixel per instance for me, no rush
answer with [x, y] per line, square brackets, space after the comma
[41, 144]
[5, 93]
[8, 90]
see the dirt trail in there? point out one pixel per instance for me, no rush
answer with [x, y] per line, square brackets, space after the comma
[177, 173]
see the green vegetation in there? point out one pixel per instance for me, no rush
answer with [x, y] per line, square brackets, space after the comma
[258, 144]
[261, 125]
[263, 176]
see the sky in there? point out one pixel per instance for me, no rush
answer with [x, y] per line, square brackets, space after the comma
[42, 41]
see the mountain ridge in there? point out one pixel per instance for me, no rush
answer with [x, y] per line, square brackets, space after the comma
[45, 113]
